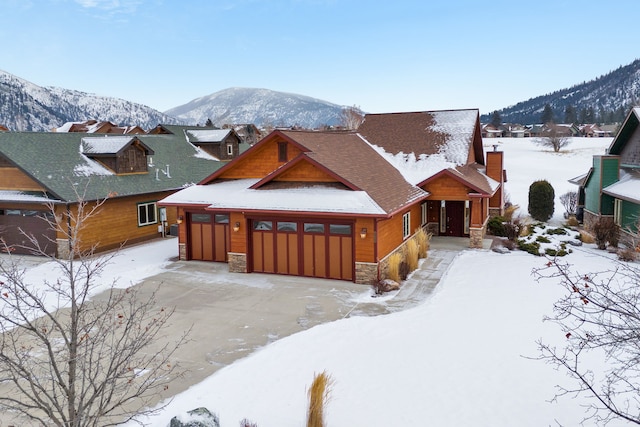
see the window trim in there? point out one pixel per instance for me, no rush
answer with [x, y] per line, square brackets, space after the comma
[406, 225]
[423, 214]
[617, 212]
[229, 149]
[146, 206]
[282, 151]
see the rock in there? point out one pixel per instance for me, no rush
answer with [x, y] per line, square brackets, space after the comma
[199, 417]
[501, 250]
[388, 285]
[574, 242]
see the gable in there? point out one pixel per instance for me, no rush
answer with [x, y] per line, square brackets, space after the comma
[12, 178]
[626, 144]
[305, 172]
[259, 160]
[119, 154]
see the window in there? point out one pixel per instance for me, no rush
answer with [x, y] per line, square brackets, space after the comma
[263, 225]
[443, 216]
[287, 226]
[221, 219]
[229, 150]
[206, 218]
[147, 214]
[313, 227]
[340, 229]
[617, 211]
[406, 225]
[423, 213]
[282, 151]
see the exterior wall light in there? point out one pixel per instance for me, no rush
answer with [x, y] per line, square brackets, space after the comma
[236, 227]
[180, 218]
[363, 233]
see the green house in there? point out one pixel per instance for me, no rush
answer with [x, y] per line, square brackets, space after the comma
[611, 189]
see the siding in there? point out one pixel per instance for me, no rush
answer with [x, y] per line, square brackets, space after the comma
[259, 162]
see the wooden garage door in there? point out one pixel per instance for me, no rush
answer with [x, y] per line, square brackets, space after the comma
[313, 249]
[33, 223]
[208, 236]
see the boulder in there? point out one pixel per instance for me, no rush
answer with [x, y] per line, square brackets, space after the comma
[388, 285]
[501, 250]
[199, 417]
[574, 242]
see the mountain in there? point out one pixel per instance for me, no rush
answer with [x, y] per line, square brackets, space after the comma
[259, 106]
[25, 106]
[607, 99]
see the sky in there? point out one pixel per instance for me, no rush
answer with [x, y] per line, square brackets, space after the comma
[391, 56]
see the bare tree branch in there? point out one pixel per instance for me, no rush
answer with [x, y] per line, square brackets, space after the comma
[70, 358]
[599, 317]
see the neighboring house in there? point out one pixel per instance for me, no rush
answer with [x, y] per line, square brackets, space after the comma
[248, 133]
[491, 131]
[223, 144]
[337, 204]
[611, 188]
[515, 130]
[40, 170]
[3, 128]
[94, 126]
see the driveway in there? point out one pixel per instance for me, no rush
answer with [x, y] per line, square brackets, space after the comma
[232, 315]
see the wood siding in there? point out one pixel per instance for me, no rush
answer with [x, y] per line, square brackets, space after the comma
[117, 222]
[15, 179]
[447, 188]
[305, 172]
[390, 231]
[260, 162]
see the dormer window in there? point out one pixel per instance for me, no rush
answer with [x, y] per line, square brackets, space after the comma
[121, 154]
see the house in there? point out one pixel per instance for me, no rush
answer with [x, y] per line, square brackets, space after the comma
[94, 126]
[248, 133]
[611, 188]
[491, 131]
[223, 144]
[129, 172]
[3, 128]
[337, 204]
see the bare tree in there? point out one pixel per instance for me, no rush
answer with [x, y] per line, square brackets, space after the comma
[600, 321]
[351, 117]
[553, 137]
[569, 201]
[67, 359]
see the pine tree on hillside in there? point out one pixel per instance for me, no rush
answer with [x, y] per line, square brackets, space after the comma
[570, 115]
[496, 119]
[547, 115]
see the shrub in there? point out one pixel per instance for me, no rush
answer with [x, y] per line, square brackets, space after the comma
[605, 231]
[557, 231]
[496, 226]
[533, 248]
[509, 211]
[394, 266]
[542, 239]
[627, 254]
[573, 222]
[569, 201]
[404, 270]
[247, 423]
[411, 254]
[541, 197]
[586, 237]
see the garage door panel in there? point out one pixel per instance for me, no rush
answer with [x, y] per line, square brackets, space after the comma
[335, 257]
[34, 225]
[221, 236]
[347, 257]
[293, 254]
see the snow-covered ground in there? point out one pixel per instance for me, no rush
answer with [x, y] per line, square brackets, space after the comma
[462, 358]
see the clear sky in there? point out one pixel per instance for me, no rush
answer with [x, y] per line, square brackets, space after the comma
[383, 56]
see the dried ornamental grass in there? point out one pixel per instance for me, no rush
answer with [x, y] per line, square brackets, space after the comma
[319, 394]
[411, 254]
[422, 238]
[394, 266]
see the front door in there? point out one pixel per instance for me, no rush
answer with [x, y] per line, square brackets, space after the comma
[455, 218]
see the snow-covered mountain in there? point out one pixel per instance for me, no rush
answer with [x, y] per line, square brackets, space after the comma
[606, 99]
[262, 107]
[25, 106]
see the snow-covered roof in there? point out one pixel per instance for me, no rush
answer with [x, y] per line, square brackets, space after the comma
[104, 144]
[237, 194]
[207, 135]
[25, 196]
[627, 188]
